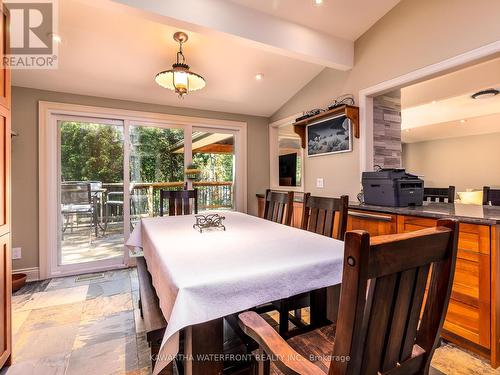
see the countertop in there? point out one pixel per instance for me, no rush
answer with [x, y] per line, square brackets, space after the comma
[467, 213]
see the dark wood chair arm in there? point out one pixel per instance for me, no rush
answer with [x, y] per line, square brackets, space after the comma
[283, 355]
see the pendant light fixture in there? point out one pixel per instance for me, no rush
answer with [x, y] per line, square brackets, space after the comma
[180, 79]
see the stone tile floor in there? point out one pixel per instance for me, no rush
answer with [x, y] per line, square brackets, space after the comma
[63, 326]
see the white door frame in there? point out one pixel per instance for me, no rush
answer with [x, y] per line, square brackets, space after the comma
[48, 170]
[366, 95]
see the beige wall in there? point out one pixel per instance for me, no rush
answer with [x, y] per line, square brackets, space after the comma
[414, 34]
[465, 162]
[25, 157]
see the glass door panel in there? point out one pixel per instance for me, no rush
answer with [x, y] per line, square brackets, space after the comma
[91, 191]
[156, 162]
[214, 156]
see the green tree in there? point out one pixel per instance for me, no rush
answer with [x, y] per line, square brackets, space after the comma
[94, 152]
[91, 152]
[153, 156]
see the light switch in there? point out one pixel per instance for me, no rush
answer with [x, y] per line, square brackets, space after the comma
[16, 253]
[319, 183]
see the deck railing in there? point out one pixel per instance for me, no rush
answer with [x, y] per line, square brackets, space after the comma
[145, 196]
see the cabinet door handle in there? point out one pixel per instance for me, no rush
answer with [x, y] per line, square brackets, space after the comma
[370, 216]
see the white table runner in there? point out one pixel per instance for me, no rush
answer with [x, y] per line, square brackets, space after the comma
[204, 276]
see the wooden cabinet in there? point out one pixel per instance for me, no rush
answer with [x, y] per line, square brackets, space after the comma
[4, 47]
[5, 254]
[5, 298]
[469, 311]
[374, 223]
[4, 171]
[469, 320]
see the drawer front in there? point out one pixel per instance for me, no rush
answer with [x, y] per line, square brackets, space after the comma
[374, 223]
[469, 308]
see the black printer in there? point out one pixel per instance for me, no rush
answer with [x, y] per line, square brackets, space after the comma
[392, 187]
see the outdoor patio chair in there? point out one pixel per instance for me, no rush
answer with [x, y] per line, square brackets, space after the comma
[77, 202]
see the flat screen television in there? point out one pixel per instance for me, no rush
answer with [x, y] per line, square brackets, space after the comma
[288, 169]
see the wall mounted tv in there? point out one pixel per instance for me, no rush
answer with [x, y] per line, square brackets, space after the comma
[288, 169]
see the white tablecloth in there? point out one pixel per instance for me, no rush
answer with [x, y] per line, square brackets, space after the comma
[204, 276]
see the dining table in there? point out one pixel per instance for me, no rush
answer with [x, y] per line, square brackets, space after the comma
[202, 277]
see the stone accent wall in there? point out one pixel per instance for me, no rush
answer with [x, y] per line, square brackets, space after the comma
[387, 132]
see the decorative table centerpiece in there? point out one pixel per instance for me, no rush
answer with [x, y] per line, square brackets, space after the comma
[212, 221]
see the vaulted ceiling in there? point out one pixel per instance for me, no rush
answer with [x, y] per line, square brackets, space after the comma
[114, 48]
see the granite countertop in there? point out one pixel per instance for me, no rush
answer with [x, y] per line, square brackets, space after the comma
[467, 213]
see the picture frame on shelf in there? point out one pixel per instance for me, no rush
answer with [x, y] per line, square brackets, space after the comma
[328, 136]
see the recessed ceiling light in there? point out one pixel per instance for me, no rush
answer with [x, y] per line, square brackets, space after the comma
[318, 2]
[483, 94]
[434, 102]
[56, 38]
[463, 121]
[407, 130]
[259, 76]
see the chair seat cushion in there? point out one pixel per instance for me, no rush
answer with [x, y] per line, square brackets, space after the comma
[316, 346]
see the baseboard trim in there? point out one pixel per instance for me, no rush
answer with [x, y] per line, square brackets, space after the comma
[33, 273]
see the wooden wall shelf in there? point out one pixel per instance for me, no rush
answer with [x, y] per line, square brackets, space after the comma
[350, 111]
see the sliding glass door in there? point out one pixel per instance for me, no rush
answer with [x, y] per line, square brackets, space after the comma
[155, 164]
[109, 174]
[91, 194]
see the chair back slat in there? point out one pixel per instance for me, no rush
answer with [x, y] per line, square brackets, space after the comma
[179, 202]
[405, 283]
[185, 202]
[313, 220]
[380, 325]
[491, 196]
[383, 294]
[440, 194]
[279, 207]
[415, 311]
[326, 216]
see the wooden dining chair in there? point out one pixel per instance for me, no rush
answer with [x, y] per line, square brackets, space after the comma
[179, 202]
[279, 207]
[385, 324]
[440, 194]
[491, 196]
[325, 216]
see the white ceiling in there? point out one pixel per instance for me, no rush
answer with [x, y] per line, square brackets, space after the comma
[442, 107]
[451, 129]
[453, 109]
[111, 52]
[347, 19]
[114, 49]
